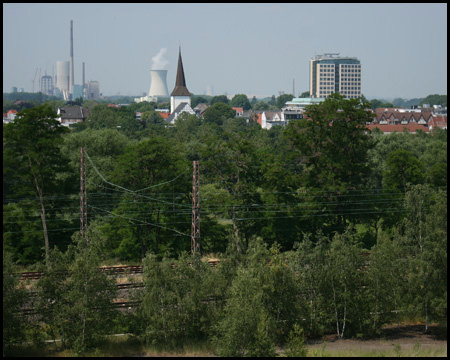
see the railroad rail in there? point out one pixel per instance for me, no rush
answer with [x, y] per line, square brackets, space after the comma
[111, 270]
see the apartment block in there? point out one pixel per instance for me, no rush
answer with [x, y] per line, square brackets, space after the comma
[329, 73]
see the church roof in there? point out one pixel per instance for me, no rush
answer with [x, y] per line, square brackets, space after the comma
[180, 83]
[180, 108]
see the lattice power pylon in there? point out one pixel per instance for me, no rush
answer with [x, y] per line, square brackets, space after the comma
[83, 195]
[195, 228]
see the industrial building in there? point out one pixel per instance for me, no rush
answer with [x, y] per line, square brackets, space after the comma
[47, 85]
[92, 90]
[330, 74]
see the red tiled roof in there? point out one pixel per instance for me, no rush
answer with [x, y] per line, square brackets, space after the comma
[399, 128]
[164, 115]
[439, 121]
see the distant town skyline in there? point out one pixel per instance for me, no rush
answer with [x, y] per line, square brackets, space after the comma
[254, 49]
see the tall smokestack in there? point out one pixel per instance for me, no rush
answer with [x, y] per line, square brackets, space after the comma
[83, 83]
[71, 57]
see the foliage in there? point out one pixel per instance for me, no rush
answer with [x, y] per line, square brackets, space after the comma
[260, 304]
[32, 159]
[282, 99]
[422, 236]
[13, 300]
[261, 105]
[218, 113]
[76, 308]
[332, 147]
[435, 99]
[195, 100]
[304, 94]
[295, 346]
[311, 236]
[219, 99]
[174, 307]
[402, 168]
[240, 100]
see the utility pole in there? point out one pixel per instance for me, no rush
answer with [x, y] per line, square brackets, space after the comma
[195, 228]
[83, 196]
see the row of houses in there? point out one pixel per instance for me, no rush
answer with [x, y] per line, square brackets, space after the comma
[387, 120]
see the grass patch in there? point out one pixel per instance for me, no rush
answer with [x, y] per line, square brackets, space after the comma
[382, 350]
[116, 346]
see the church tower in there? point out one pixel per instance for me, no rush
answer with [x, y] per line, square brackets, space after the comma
[180, 93]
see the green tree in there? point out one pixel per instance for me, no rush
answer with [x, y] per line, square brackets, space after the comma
[435, 99]
[218, 113]
[91, 293]
[272, 100]
[195, 100]
[385, 278]
[219, 99]
[151, 118]
[102, 116]
[309, 261]
[402, 167]
[32, 158]
[247, 326]
[422, 236]
[13, 299]
[22, 231]
[261, 105]
[282, 99]
[174, 309]
[332, 149]
[295, 346]
[375, 104]
[148, 169]
[304, 94]
[240, 100]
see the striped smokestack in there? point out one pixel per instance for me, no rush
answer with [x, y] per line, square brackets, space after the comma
[71, 58]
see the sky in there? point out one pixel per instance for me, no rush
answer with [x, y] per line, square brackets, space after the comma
[232, 48]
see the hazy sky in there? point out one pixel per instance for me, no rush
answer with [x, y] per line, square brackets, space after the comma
[234, 48]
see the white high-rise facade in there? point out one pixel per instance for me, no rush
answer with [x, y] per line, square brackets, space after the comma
[333, 74]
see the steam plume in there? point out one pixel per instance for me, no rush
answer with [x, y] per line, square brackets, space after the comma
[158, 61]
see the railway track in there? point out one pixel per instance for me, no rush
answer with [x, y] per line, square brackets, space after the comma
[111, 270]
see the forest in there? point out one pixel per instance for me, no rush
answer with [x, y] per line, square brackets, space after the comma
[319, 227]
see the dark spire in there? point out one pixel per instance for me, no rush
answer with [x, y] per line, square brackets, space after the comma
[180, 83]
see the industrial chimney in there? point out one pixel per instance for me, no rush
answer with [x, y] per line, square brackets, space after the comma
[71, 57]
[158, 86]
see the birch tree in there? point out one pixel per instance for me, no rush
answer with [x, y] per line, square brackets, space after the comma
[32, 159]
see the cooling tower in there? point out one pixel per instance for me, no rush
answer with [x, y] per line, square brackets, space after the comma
[62, 75]
[158, 86]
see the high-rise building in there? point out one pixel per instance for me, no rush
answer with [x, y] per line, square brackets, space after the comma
[330, 73]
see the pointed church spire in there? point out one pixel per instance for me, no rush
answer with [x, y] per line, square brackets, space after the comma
[180, 83]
